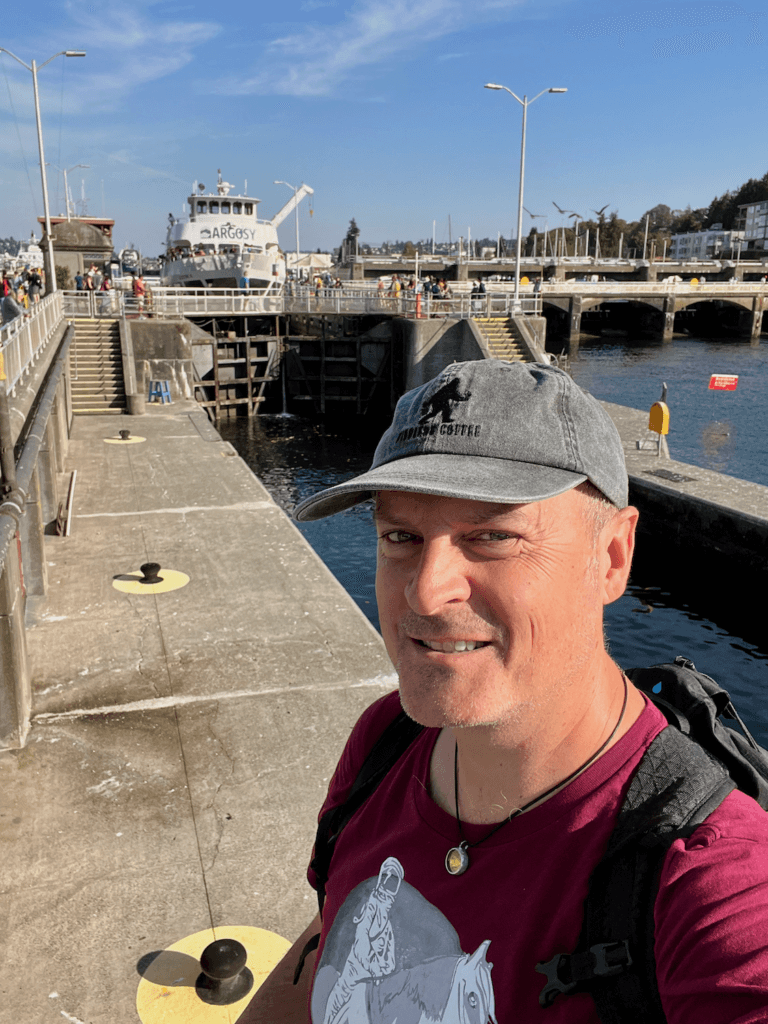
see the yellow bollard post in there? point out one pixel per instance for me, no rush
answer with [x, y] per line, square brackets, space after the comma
[658, 422]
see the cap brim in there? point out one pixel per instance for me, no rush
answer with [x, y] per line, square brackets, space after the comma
[455, 476]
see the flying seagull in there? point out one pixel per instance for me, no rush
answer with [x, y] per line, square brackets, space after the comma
[532, 214]
[559, 209]
[600, 212]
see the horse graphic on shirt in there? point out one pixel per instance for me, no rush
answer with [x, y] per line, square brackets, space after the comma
[371, 989]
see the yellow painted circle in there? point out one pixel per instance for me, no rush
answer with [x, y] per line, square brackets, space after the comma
[166, 993]
[119, 440]
[130, 582]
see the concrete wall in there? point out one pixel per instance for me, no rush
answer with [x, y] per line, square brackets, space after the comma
[24, 574]
[162, 350]
[430, 345]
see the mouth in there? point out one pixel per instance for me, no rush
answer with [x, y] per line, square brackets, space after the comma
[452, 646]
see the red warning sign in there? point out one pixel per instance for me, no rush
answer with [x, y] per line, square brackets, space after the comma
[723, 381]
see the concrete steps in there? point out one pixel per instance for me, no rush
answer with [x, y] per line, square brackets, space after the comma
[502, 337]
[97, 368]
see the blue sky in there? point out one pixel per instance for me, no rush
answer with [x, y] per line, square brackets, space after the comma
[379, 105]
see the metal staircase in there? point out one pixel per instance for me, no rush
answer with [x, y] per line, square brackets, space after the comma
[502, 337]
[97, 368]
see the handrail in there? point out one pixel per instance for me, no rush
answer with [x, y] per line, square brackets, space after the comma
[24, 338]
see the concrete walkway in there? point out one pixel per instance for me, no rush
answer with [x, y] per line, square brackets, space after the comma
[182, 742]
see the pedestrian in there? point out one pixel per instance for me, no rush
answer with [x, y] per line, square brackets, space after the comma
[79, 284]
[139, 292]
[10, 308]
[457, 888]
[35, 286]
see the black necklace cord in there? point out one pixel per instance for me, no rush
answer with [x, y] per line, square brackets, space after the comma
[520, 810]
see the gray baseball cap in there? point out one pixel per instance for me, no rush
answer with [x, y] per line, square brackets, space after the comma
[490, 431]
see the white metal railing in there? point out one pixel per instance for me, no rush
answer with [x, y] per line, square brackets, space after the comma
[406, 303]
[162, 302]
[24, 338]
[92, 304]
[653, 287]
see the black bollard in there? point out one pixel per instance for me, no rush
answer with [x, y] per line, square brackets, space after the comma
[125, 435]
[150, 570]
[225, 978]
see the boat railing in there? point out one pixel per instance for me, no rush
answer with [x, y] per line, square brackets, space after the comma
[23, 339]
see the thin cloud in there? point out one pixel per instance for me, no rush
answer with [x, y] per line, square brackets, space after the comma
[317, 59]
[127, 45]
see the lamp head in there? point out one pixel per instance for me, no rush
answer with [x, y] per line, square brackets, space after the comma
[491, 85]
[74, 53]
[558, 90]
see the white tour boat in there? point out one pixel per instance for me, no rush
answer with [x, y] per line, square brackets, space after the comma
[222, 242]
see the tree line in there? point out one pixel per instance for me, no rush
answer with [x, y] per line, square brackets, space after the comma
[610, 232]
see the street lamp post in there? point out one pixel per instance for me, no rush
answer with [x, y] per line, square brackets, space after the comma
[525, 103]
[295, 190]
[51, 276]
[65, 172]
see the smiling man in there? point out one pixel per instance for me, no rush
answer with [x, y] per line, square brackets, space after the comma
[500, 496]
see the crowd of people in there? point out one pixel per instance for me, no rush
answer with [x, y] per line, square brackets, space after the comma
[22, 290]
[93, 280]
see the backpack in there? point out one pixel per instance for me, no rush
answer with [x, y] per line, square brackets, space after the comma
[684, 775]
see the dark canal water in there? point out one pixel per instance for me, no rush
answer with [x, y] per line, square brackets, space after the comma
[728, 432]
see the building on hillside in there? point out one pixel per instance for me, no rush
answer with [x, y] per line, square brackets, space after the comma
[709, 244]
[752, 220]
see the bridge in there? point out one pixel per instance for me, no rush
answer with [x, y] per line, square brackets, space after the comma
[661, 300]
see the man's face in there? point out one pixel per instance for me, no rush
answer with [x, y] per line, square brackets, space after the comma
[489, 610]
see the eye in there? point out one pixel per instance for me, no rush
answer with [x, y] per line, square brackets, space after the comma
[493, 535]
[398, 537]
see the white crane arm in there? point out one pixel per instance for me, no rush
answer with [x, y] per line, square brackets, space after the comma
[292, 203]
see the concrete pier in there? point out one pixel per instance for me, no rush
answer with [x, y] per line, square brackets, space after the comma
[181, 742]
[719, 522]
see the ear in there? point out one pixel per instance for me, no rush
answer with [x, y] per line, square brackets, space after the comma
[617, 545]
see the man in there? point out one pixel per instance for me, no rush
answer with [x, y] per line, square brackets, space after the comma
[139, 289]
[500, 496]
[10, 308]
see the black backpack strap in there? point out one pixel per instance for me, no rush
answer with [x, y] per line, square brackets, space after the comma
[674, 788]
[384, 754]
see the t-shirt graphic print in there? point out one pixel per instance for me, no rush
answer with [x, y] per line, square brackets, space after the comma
[391, 957]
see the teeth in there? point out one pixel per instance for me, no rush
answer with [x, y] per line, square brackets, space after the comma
[452, 646]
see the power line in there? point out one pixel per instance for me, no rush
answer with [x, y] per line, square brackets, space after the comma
[18, 132]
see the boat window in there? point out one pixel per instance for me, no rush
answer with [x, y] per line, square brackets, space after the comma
[215, 206]
[237, 208]
[249, 209]
[202, 207]
[225, 207]
[192, 207]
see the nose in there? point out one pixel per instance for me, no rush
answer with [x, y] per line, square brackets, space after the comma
[440, 577]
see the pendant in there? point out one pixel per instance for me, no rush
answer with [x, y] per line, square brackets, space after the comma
[457, 860]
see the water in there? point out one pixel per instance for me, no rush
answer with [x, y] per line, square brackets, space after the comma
[726, 431]
[294, 458]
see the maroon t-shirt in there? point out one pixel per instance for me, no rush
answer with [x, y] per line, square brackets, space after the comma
[404, 942]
